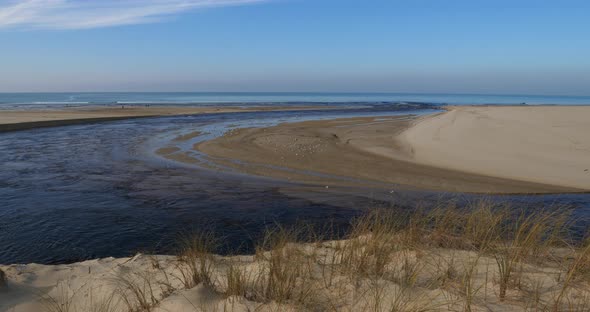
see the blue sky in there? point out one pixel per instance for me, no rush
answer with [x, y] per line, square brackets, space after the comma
[514, 47]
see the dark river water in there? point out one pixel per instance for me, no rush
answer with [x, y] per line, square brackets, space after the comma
[78, 192]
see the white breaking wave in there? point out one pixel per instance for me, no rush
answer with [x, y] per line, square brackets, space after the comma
[48, 103]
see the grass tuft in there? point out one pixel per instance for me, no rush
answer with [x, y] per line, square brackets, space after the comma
[285, 273]
[137, 291]
[196, 258]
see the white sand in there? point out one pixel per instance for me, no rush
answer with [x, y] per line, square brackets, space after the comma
[543, 144]
[100, 285]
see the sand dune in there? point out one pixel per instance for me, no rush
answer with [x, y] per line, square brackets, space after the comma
[432, 279]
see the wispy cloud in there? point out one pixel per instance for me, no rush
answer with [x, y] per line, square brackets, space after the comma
[80, 14]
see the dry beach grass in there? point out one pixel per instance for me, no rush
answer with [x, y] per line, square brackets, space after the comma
[483, 257]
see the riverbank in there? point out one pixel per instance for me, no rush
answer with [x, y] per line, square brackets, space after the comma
[13, 120]
[483, 153]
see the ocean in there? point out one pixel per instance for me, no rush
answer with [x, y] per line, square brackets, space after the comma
[58, 100]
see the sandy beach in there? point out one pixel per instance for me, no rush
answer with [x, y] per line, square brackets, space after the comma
[11, 120]
[542, 144]
[466, 149]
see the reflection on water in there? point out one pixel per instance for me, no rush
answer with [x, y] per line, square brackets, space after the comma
[78, 192]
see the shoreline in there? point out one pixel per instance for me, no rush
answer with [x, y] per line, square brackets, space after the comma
[386, 151]
[17, 120]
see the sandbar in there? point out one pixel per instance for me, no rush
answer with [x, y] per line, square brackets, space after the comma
[13, 120]
[495, 150]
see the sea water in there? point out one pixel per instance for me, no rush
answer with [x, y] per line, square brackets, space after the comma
[58, 100]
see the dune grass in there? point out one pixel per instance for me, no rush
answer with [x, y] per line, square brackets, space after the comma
[196, 258]
[61, 300]
[481, 257]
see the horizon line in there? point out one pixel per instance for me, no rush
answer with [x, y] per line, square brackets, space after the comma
[305, 92]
